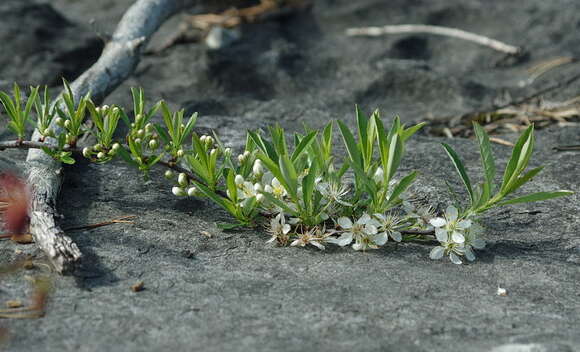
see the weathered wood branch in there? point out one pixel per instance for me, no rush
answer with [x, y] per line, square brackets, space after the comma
[117, 62]
[437, 30]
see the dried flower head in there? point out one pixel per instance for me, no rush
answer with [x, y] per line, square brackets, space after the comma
[16, 199]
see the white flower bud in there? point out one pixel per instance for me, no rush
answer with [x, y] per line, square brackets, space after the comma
[268, 189]
[258, 187]
[169, 174]
[192, 191]
[153, 144]
[180, 153]
[228, 152]
[182, 180]
[178, 191]
[100, 155]
[213, 152]
[59, 121]
[67, 124]
[137, 140]
[239, 180]
[202, 138]
[140, 133]
[258, 169]
[105, 107]
[149, 128]
[246, 154]
[115, 147]
[116, 110]
[98, 147]
[379, 175]
[209, 141]
[87, 152]
[241, 158]
[260, 198]
[138, 119]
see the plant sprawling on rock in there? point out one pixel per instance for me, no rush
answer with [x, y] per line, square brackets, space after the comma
[309, 196]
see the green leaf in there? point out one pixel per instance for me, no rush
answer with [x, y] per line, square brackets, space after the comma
[520, 181]
[514, 163]
[402, 186]
[308, 186]
[67, 159]
[124, 154]
[219, 200]
[534, 197]
[290, 177]
[394, 158]
[350, 143]
[304, 143]
[460, 170]
[487, 159]
[162, 133]
[407, 133]
[280, 204]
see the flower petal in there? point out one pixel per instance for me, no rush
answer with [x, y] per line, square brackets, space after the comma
[344, 239]
[371, 229]
[451, 213]
[357, 246]
[455, 258]
[364, 219]
[457, 237]
[437, 253]
[397, 236]
[285, 229]
[380, 238]
[438, 222]
[317, 245]
[464, 224]
[469, 254]
[296, 243]
[344, 223]
[478, 243]
[441, 235]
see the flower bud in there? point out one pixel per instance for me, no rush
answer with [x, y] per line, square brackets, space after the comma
[239, 180]
[138, 119]
[149, 128]
[59, 121]
[258, 187]
[153, 144]
[169, 174]
[115, 147]
[87, 152]
[228, 152]
[213, 152]
[258, 169]
[100, 155]
[378, 176]
[182, 180]
[105, 107]
[192, 191]
[178, 191]
[180, 153]
[260, 198]
[116, 110]
[137, 140]
[246, 154]
[67, 124]
[209, 141]
[202, 138]
[140, 133]
[241, 158]
[98, 147]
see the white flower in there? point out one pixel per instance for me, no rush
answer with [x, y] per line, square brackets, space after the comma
[182, 180]
[472, 241]
[276, 189]
[314, 236]
[389, 225]
[450, 226]
[334, 192]
[363, 232]
[279, 229]
[421, 214]
[246, 190]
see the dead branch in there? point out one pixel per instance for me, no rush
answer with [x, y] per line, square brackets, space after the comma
[118, 60]
[437, 30]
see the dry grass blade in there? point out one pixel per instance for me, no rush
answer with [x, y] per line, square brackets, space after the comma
[121, 220]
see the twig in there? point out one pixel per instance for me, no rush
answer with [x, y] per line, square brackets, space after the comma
[118, 60]
[121, 220]
[437, 30]
[501, 141]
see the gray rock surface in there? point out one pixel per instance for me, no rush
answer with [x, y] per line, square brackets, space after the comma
[233, 292]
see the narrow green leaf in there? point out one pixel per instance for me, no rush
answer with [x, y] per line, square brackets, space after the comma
[460, 170]
[511, 168]
[407, 133]
[402, 186]
[534, 197]
[280, 204]
[487, 159]
[351, 146]
[162, 133]
[520, 181]
[304, 143]
[290, 175]
[219, 200]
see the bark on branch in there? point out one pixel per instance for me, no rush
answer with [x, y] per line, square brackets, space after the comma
[117, 62]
